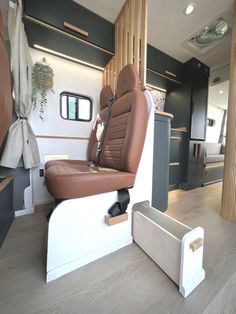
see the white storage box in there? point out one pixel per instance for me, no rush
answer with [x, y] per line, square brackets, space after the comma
[176, 248]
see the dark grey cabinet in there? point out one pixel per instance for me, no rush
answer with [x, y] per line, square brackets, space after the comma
[188, 104]
[161, 162]
[195, 166]
[163, 71]
[57, 12]
[70, 29]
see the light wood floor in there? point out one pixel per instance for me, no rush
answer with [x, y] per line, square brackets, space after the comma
[126, 281]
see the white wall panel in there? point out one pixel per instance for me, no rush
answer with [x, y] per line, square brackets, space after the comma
[76, 78]
[213, 133]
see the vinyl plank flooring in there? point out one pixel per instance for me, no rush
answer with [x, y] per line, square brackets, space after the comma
[126, 281]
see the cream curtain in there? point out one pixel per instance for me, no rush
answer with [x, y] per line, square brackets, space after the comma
[21, 140]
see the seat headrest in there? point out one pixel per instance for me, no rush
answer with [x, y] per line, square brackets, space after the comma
[105, 96]
[127, 81]
[1, 27]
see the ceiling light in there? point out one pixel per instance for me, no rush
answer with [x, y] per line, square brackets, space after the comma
[221, 92]
[189, 9]
[68, 57]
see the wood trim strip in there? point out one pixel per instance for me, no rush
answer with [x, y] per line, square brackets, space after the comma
[4, 183]
[61, 137]
[163, 113]
[175, 138]
[180, 129]
[170, 73]
[172, 164]
[76, 29]
[214, 165]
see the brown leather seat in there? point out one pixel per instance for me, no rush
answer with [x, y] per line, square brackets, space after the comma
[121, 151]
[106, 95]
[5, 88]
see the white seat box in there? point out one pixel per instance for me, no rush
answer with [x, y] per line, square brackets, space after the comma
[176, 248]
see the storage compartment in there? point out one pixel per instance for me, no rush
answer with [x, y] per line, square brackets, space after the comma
[160, 62]
[56, 13]
[176, 248]
[213, 173]
[178, 158]
[67, 45]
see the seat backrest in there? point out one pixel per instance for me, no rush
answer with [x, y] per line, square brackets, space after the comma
[5, 88]
[125, 135]
[105, 96]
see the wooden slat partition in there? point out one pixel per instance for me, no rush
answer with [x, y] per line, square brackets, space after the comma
[130, 42]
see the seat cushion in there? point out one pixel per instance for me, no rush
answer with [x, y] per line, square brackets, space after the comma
[74, 179]
[65, 162]
[214, 158]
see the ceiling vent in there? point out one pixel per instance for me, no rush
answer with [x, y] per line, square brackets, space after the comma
[219, 75]
[210, 35]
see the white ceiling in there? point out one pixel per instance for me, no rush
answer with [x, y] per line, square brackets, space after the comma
[168, 27]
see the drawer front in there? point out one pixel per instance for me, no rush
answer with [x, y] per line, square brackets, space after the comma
[212, 173]
[175, 174]
[56, 12]
[164, 64]
[178, 146]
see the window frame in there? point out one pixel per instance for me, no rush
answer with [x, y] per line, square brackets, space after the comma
[77, 96]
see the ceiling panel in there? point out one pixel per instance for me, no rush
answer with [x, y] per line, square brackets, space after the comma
[168, 27]
[108, 9]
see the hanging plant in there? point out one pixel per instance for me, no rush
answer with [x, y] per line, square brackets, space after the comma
[42, 82]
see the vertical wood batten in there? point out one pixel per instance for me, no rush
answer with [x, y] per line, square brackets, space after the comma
[143, 44]
[130, 41]
[228, 203]
[136, 34]
[131, 31]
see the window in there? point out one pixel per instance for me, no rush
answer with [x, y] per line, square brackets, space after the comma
[75, 107]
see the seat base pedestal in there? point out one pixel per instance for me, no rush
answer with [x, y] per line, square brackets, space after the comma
[78, 234]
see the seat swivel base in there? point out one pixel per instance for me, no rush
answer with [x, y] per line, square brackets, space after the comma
[78, 234]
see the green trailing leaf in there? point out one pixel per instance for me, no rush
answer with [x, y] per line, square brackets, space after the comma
[42, 82]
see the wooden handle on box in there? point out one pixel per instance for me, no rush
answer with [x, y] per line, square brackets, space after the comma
[196, 244]
[76, 29]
